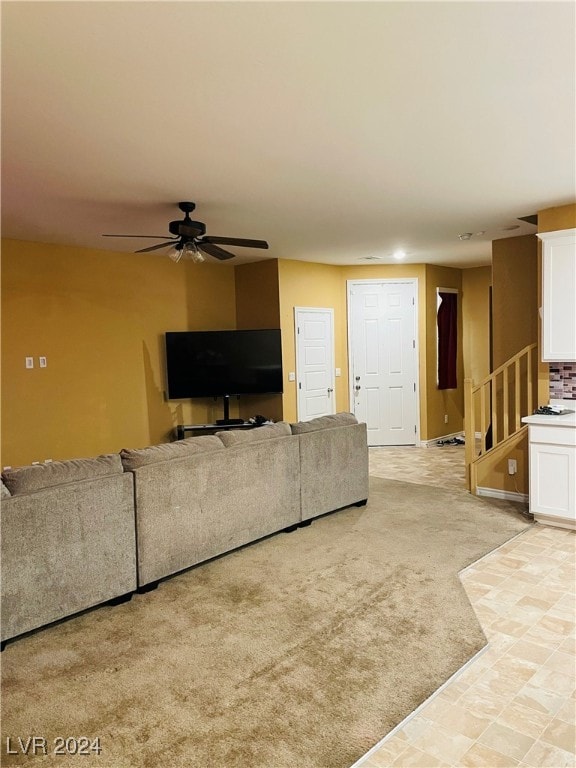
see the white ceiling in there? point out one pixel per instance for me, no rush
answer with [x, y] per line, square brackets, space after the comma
[337, 131]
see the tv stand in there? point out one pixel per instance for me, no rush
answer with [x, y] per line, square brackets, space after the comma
[219, 424]
[227, 421]
[226, 409]
[208, 429]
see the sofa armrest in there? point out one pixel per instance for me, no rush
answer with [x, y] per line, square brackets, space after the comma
[64, 549]
[333, 469]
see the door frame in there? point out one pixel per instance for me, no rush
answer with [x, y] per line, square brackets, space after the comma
[330, 311]
[388, 280]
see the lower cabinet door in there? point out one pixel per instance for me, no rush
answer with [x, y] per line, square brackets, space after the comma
[553, 480]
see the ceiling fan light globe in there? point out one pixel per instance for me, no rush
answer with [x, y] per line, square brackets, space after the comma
[197, 256]
[175, 254]
[191, 251]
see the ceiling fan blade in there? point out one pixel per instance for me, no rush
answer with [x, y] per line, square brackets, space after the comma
[213, 250]
[153, 237]
[236, 241]
[155, 247]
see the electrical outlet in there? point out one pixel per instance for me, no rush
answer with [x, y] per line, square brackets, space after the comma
[445, 418]
[291, 376]
[512, 466]
[29, 362]
[42, 361]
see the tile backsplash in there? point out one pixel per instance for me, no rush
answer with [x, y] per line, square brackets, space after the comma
[563, 381]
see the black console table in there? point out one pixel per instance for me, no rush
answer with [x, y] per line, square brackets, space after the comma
[208, 429]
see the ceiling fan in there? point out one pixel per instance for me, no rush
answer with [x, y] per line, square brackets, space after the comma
[189, 240]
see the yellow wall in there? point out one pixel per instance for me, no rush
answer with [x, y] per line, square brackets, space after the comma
[492, 472]
[476, 284]
[514, 326]
[258, 306]
[554, 219]
[99, 318]
[257, 295]
[514, 296]
[305, 284]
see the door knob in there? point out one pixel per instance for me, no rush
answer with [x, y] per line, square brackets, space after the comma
[330, 390]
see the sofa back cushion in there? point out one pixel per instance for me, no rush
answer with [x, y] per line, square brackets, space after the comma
[139, 457]
[37, 476]
[324, 422]
[239, 436]
[4, 492]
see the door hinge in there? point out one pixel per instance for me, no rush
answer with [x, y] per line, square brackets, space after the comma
[414, 386]
[299, 385]
[413, 343]
[415, 430]
[298, 330]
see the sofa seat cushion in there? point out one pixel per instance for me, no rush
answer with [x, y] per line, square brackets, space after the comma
[324, 422]
[35, 477]
[239, 436]
[138, 457]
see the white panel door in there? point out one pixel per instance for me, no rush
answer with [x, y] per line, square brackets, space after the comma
[314, 330]
[383, 359]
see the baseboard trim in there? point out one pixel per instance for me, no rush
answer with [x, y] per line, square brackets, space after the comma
[497, 493]
[436, 440]
[555, 520]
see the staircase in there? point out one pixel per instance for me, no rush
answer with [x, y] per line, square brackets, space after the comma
[493, 410]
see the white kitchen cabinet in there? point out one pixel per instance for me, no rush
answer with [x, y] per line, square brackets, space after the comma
[559, 295]
[552, 469]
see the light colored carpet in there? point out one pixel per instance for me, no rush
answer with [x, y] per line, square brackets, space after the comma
[300, 651]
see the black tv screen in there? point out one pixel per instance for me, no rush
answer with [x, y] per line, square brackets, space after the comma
[216, 363]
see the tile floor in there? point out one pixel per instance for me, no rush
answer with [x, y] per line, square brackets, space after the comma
[514, 704]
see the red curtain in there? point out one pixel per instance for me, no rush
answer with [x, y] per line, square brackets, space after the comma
[447, 340]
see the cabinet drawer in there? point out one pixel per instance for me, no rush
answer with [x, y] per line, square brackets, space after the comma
[552, 435]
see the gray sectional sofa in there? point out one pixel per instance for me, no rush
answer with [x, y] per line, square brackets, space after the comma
[67, 540]
[79, 533]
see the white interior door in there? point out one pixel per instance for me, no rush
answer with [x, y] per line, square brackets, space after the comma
[383, 359]
[314, 330]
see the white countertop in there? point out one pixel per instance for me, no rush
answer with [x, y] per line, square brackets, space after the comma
[566, 420]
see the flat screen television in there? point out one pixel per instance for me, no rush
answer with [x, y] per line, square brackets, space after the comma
[223, 363]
